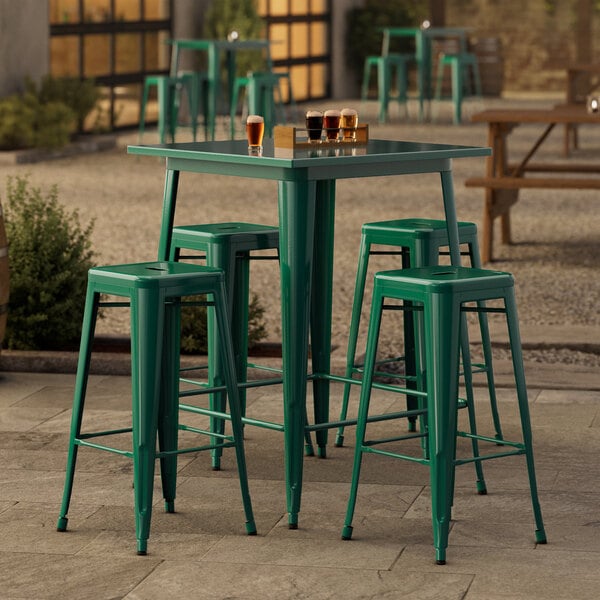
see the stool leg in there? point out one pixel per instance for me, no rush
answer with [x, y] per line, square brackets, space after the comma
[521, 387]
[227, 359]
[194, 101]
[168, 421]
[457, 90]
[442, 324]
[359, 293]
[164, 111]
[223, 257]
[144, 102]
[239, 297]
[468, 377]
[363, 408]
[475, 259]
[233, 109]
[85, 353]
[383, 88]
[147, 322]
[410, 352]
[364, 90]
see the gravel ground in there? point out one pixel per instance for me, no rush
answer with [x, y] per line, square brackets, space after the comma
[554, 259]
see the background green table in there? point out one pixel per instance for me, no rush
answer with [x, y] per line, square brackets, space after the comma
[213, 48]
[306, 191]
[424, 37]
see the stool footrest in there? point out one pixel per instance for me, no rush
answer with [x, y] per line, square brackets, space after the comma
[230, 444]
[80, 442]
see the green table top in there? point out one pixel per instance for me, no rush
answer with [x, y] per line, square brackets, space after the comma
[326, 161]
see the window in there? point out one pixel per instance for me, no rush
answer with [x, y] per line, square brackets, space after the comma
[116, 42]
[299, 31]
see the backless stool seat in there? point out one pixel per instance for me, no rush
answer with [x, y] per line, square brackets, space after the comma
[419, 243]
[439, 295]
[154, 290]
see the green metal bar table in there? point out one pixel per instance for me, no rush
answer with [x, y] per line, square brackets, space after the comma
[306, 191]
[213, 48]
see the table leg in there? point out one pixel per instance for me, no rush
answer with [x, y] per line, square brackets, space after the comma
[168, 214]
[296, 231]
[321, 304]
[450, 212]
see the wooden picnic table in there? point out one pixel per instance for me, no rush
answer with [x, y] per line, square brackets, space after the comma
[504, 179]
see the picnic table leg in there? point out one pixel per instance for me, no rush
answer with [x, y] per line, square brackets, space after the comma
[487, 230]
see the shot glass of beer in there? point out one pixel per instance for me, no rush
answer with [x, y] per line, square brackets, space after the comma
[314, 126]
[349, 123]
[331, 123]
[255, 130]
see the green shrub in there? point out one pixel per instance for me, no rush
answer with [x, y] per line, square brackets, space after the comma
[49, 259]
[224, 16]
[193, 326]
[54, 122]
[81, 96]
[48, 116]
[16, 124]
[27, 123]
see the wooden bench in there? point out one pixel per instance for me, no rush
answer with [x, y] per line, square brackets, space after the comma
[504, 179]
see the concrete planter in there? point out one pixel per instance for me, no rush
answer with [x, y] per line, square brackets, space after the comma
[82, 145]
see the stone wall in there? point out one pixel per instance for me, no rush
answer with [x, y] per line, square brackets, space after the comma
[537, 43]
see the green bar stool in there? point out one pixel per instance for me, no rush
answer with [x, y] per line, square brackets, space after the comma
[229, 247]
[154, 290]
[440, 294]
[169, 92]
[262, 97]
[386, 67]
[464, 75]
[419, 243]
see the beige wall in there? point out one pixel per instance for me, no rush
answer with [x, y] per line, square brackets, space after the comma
[23, 42]
[342, 84]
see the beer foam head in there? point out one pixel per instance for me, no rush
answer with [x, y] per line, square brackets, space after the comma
[348, 112]
[254, 119]
[314, 113]
[333, 112]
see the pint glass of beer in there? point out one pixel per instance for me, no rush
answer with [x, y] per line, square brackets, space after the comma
[349, 124]
[331, 123]
[314, 126]
[255, 129]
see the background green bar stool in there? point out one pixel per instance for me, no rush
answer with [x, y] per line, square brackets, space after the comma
[262, 97]
[229, 247]
[386, 67]
[464, 77]
[440, 295]
[419, 243]
[154, 290]
[169, 92]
